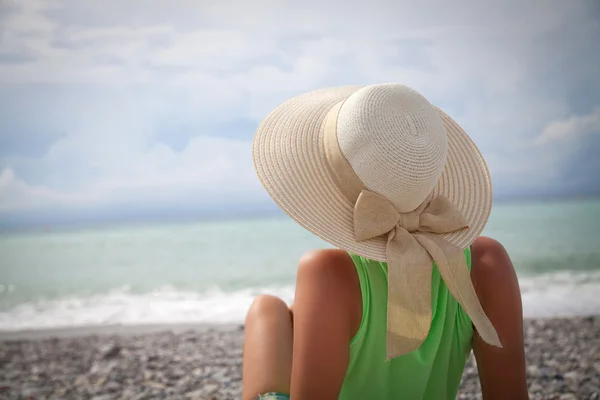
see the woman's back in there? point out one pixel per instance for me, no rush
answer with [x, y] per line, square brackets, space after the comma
[380, 172]
[433, 371]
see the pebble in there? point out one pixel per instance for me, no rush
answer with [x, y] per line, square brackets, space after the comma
[563, 362]
[568, 396]
[572, 375]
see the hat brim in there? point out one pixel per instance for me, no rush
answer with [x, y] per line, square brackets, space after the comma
[290, 162]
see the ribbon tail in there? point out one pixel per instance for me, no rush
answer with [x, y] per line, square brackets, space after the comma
[409, 293]
[453, 269]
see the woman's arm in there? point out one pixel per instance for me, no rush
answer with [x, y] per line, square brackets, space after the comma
[327, 312]
[501, 371]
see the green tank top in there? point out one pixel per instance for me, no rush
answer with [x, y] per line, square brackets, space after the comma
[433, 371]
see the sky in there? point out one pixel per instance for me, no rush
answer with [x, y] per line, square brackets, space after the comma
[148, 107]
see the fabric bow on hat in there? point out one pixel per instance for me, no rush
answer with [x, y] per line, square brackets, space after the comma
[413, 242]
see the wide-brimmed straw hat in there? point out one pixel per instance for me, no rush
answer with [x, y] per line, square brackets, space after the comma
[380, 172]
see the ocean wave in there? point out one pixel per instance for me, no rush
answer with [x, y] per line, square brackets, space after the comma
[165, 305]
[557, 294]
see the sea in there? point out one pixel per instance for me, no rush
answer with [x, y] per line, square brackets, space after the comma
[209, 271]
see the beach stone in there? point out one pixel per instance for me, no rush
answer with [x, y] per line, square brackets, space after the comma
[533, 371]
[154, 385]
[30, 391]
[5, 386]
[112, 386]
[110, 350]
[535, 387]
[558, 376]
[568, 396]
[197, 394]
[572, 376]
[103, 397]
[563, 359]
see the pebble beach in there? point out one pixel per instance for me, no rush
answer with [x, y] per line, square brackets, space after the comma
[204, 362]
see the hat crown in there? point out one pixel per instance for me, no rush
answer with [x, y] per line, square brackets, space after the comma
[395, 141]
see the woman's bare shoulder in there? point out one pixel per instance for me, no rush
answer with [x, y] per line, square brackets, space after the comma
[329, 276]
[320, 258]
[494, 276]
[490, 260]
[330, 271]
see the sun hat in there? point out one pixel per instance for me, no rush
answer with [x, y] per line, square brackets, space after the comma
[380, 172]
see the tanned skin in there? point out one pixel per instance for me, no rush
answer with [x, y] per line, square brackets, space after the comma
[305, 351]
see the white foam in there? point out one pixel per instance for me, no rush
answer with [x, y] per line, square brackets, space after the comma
[551, 295]
[163, 306]
[561, 294]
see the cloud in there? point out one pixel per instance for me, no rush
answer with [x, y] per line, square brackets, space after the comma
[207, 172]
[16, 194]
[107, 103]
[572, 127]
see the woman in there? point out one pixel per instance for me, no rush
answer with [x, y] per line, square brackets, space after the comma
[403, 193]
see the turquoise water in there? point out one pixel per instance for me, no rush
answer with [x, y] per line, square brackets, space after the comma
[209, 271]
